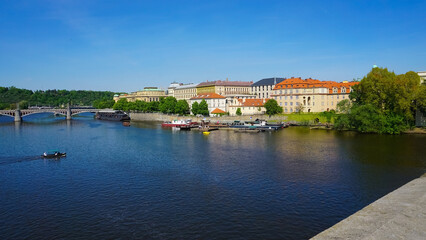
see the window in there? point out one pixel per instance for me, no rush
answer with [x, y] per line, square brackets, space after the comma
[322, 97]
[297, 103]
[281, 97]
[297, 90]
[281, 104]
[322, 103]
[285, 103]
[297, 97]
[337, 96]
[285, 97]
[334, 90]
[291, 103]
[291, 97]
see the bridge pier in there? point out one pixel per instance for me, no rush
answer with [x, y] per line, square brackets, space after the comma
[18, 116]
[68, 112]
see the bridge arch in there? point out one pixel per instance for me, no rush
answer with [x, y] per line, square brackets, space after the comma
[24, 114]
[5, 114]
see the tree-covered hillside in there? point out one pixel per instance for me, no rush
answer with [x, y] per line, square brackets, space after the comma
[9, 96]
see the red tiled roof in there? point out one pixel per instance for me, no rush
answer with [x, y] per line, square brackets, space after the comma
[293, 83]
[217, 110]
[252, 102]
[207, 96]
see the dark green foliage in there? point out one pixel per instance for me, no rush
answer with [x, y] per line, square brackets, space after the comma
[383, 102]
[369, 119]
[238, 112]
[203, 108]
[121, 104]
[272, 107]
[195, 108]
[328, 115]
[168, 105]
[53, 98]
[182, 107]
[104, 103]
[344, 106]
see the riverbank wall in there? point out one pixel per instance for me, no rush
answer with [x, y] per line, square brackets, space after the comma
[223, 119]
[400, 214]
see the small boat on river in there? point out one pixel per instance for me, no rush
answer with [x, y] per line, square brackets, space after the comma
[112, 115]
[180, 123]
[53, 154]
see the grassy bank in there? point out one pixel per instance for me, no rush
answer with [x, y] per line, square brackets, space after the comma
[305, 118]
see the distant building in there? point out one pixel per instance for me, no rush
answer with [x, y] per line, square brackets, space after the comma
[172, 87]
[422, 77]
[224, 88]
[264, 88]
[310, 95]
[214, 101]
[185, 91]
[247, 106]
[148, 94]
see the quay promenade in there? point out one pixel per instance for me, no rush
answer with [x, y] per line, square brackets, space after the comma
[164, 117]
[400, 214]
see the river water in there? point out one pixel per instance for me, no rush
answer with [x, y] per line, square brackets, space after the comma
[145, 182]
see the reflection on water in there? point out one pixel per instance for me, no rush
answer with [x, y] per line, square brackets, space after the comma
[147, 182]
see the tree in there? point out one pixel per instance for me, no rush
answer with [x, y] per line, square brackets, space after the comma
[121, 104]
[203, 108]
[168, 105]
[140, 105]
[238, 112]
[328, 115]
[182, 107]
[195, 108]
[344, 106]
[388, 92]
[272, 107]
[299, 108]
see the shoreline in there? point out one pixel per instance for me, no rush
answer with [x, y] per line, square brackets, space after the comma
[399, 214]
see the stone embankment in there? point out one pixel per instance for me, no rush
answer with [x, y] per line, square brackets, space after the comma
[224, 119]
[400, 214]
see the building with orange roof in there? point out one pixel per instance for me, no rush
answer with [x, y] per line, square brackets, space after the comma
[247, 106]
[214, 101]
[310, 95]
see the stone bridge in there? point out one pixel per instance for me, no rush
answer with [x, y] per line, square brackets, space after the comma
[68, 112]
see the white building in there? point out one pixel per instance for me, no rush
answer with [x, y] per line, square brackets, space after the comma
[171, 88]
[422, 77]
[247, 106]
[185, 91]
[214, 101]
[264, 88]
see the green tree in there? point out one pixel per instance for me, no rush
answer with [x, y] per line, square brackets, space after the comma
[140, 105]
[182, 107]
[121, 104]
[328, 115]
[299, 108]
[238, 112]
[272, 107]
[168, 105]
[388, 92]
[344, 106]
[194, 108]
[203, 108]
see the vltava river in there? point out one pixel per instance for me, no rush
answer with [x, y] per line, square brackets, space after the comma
[145, 182]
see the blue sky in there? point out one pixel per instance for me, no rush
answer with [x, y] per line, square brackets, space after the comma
[127, 45]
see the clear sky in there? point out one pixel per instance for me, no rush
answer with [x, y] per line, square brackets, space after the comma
[127, 45]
